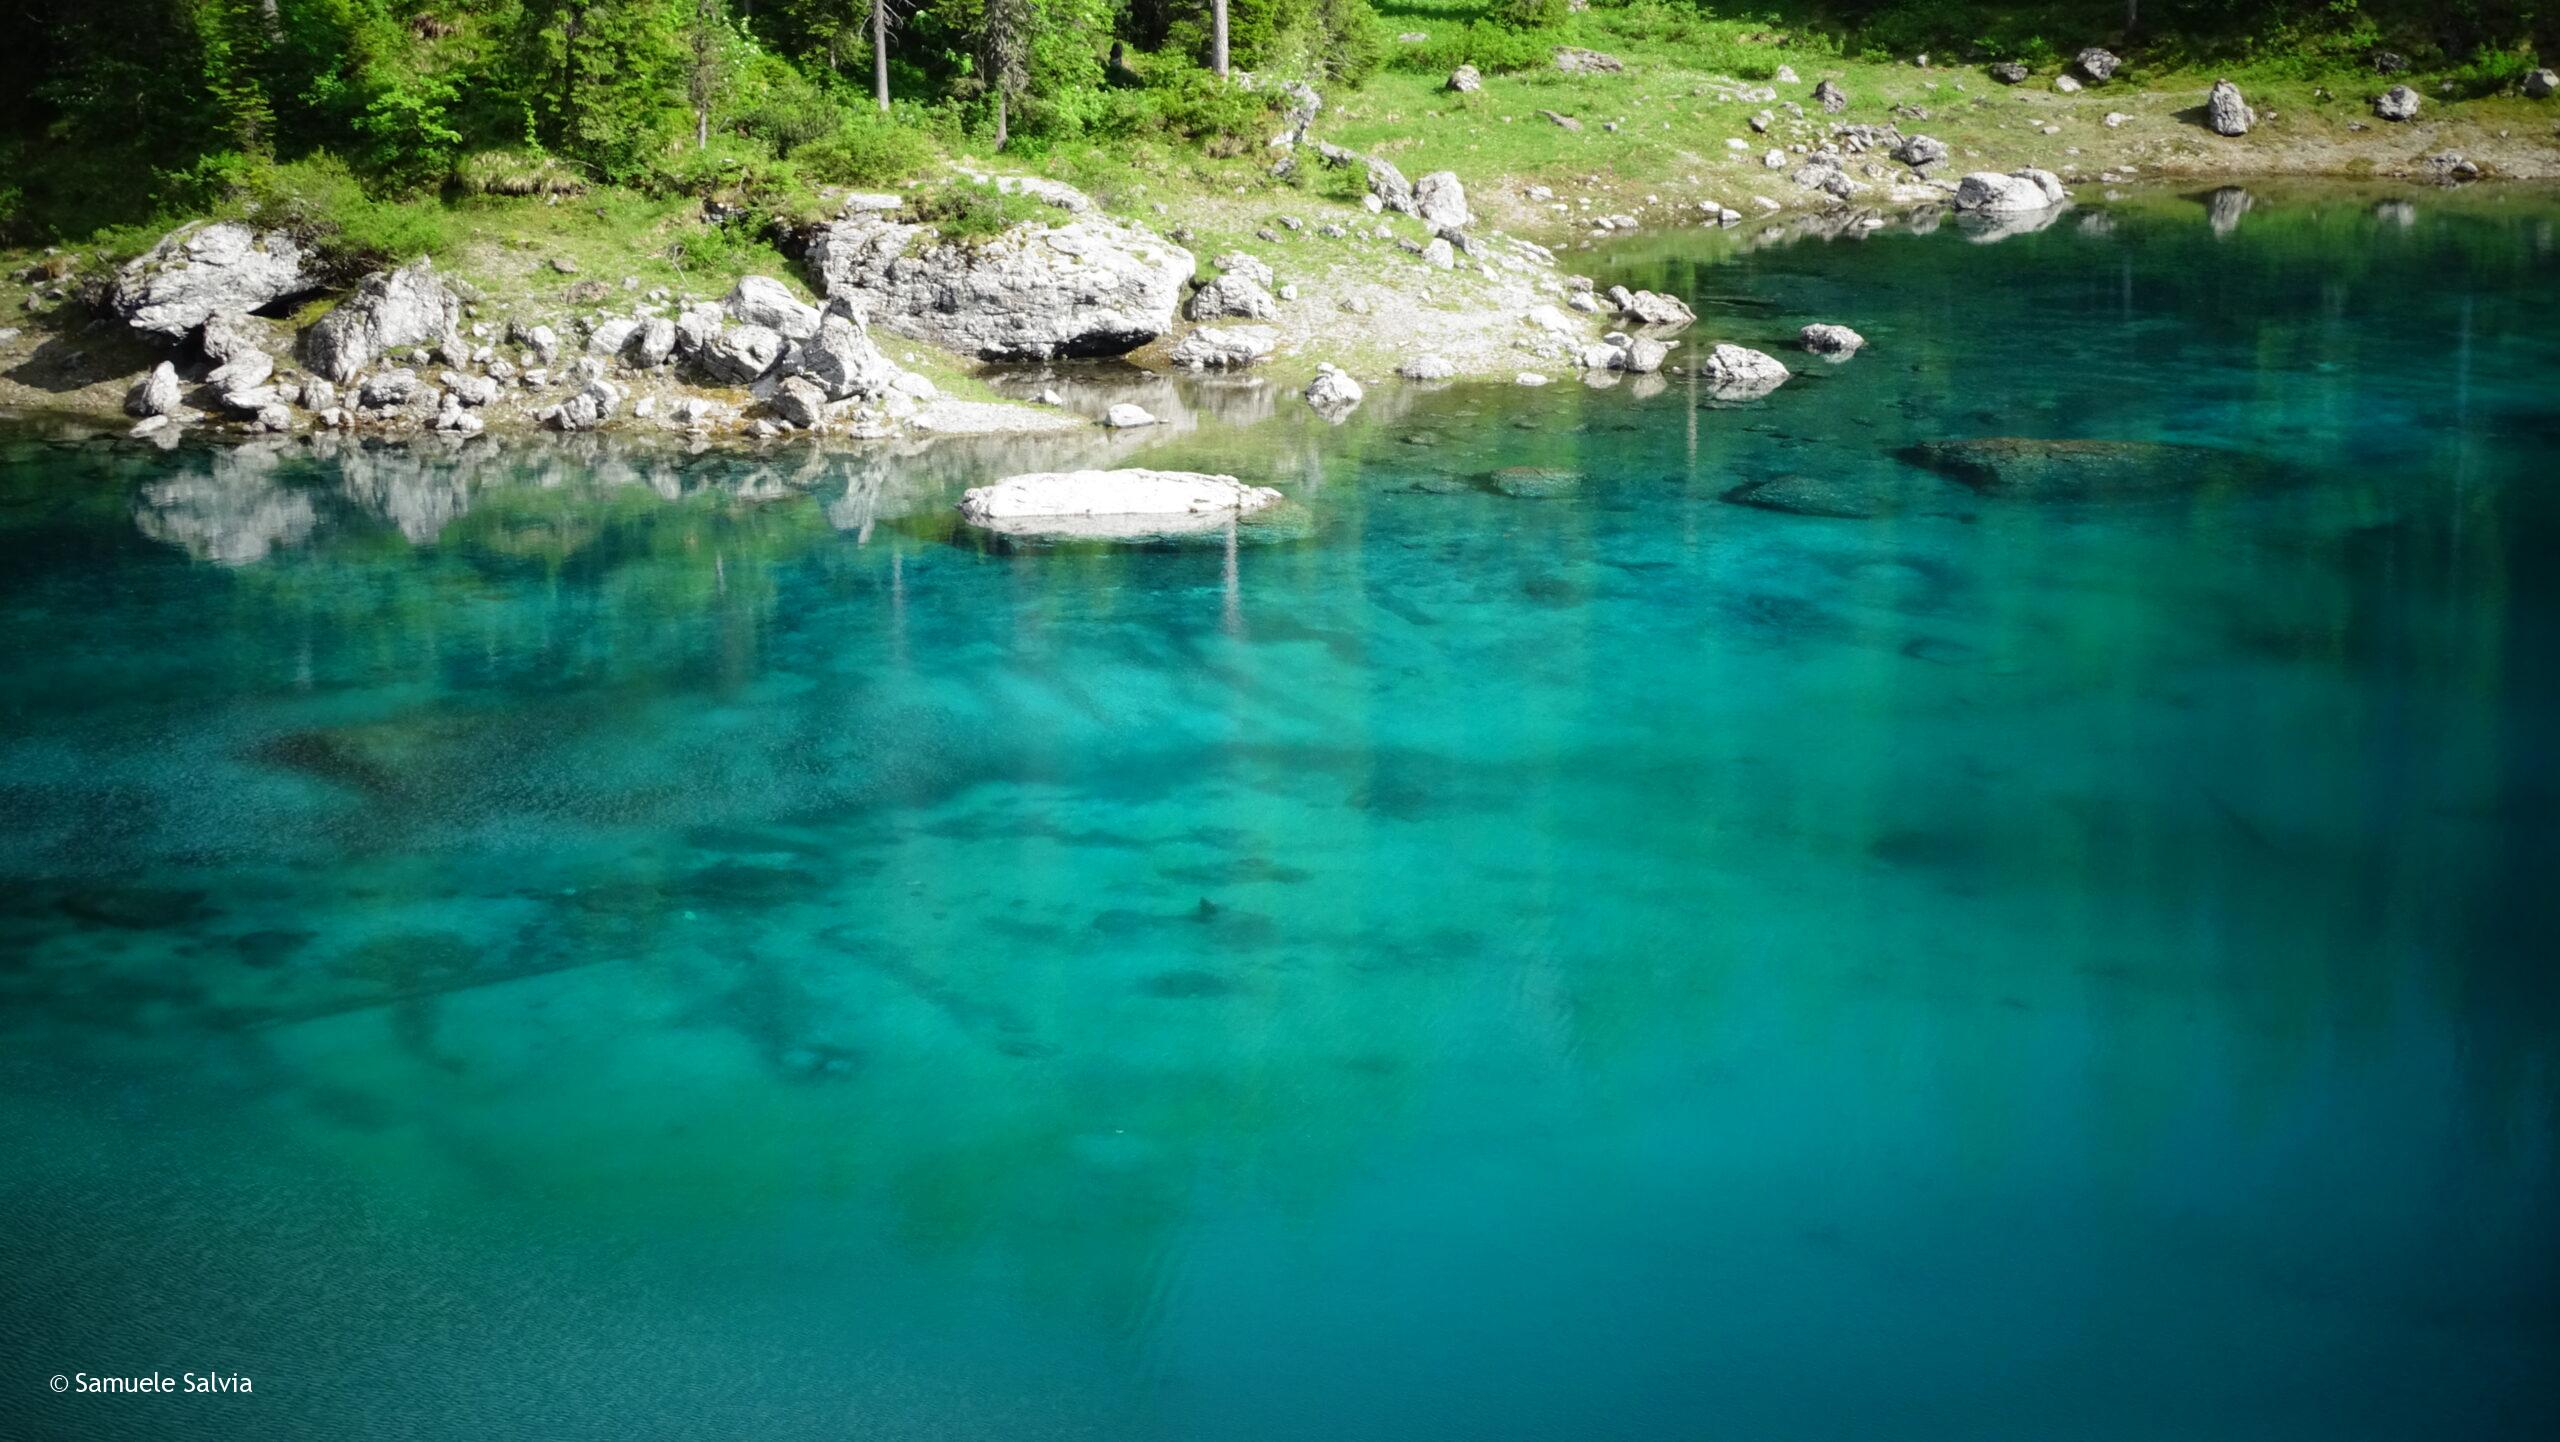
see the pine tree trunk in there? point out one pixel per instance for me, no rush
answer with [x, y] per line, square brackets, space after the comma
[999, 117]
[1218, 37]
[880, 53]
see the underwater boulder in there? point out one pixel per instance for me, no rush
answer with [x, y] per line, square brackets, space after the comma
[2033, 468]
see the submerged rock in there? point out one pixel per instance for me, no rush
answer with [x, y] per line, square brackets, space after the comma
[1534, 483]
[1856, 497]
[197, 272]
[1112, 504]
[2032, 468]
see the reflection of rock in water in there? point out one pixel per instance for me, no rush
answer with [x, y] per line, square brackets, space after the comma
[2224, 207]
[2395, 212]
[1178, 402]
[1990, 227]
[232, 511]
[417, 493]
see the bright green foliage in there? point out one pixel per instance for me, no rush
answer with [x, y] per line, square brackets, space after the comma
[117, 112]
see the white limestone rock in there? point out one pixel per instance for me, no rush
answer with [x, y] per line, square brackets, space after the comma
[1112, 504]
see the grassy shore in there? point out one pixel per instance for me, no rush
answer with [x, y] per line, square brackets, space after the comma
[1652, 143]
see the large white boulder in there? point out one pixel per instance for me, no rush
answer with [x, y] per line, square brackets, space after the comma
[1333, 392]
[198, 271]
[390, 309]
[1992, 193]
[762, 300]
[2226, 112]
[1133, 502]
[1441, 201]
[1733, 370]
[1089, 287]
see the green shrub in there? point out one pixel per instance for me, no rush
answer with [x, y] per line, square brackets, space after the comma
[1493, 49]
[2491, 72]
[972, 210]
[865, 151]
[517, 172]
[322, 203]
[1532, 14]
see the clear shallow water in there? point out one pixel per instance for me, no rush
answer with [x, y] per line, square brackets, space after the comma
[563, 946]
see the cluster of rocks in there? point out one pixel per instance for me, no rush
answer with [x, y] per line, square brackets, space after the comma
[368, 360]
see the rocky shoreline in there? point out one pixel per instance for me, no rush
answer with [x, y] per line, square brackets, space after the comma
[185, 341]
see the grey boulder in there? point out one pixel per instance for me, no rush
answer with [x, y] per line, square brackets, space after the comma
[197, 272]
[2397, 103]
[2226, 112]
[1992, 193]
[762, 300]
[742, 354]
[155, 394]
[1831, 340]
[389, 310]
[1441, 202]
[1090, 287]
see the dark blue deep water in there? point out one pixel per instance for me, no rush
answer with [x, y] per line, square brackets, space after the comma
[604, 944]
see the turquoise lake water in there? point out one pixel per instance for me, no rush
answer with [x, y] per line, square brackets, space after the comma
[572, 943]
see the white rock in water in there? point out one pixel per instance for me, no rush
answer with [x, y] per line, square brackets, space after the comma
[1332, 392]
[1740, 370]
[1125, 416]
[1107, 504]
[1530, 378]
[1996, 194]
[1427, 368]
[1832, 340]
